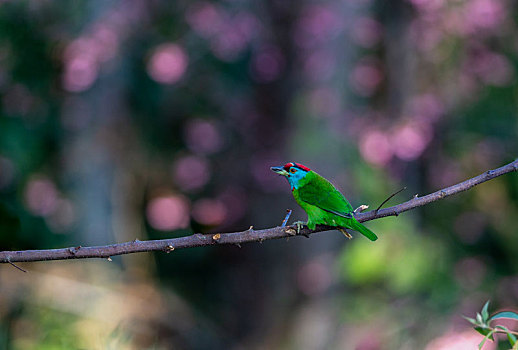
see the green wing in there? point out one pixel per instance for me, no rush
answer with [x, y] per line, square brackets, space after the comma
[321, 193]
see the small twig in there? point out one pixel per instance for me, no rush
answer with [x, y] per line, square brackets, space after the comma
[360, 209]
[386, 200]
[285, 221]
[18, 267]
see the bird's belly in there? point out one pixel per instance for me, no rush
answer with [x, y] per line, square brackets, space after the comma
[319, 216]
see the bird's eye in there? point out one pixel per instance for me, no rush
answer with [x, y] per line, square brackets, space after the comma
[293, 170]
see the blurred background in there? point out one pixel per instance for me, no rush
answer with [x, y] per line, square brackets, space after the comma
[154, 119]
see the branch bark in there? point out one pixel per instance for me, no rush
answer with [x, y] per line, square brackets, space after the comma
[237, 238]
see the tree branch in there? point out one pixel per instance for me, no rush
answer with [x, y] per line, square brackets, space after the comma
[237, 238]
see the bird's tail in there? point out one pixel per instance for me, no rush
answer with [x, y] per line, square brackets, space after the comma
[355, 225]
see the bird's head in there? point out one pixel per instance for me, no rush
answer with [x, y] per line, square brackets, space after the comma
[294, 172]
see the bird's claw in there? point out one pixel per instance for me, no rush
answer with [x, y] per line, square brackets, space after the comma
[346, 234]
[299, 225]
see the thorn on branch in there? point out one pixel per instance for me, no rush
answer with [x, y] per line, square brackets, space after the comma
[136, 240]
[216, 237]
[415, 196]
[442, 194]
[237, 245]
[109, 259]
[251, 229]
[169, 248]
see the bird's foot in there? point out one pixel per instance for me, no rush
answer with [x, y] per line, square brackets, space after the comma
[360, 209]
[299, 225]
[346, 234]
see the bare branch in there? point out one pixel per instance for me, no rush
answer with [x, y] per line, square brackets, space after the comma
[237, 238]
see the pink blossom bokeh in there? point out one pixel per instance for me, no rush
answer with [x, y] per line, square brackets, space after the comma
[168, 63]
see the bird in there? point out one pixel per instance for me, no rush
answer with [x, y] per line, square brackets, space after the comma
[320, 199]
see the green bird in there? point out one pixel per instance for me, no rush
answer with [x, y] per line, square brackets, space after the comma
[323, 203]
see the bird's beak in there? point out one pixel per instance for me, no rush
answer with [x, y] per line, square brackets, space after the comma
[279, 170]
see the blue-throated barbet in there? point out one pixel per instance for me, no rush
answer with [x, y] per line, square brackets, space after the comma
[323, 203]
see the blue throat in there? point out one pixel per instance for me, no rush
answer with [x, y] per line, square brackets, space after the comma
[294, 179]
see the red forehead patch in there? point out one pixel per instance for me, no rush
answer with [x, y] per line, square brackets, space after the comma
[287, 166]
[305, 168]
